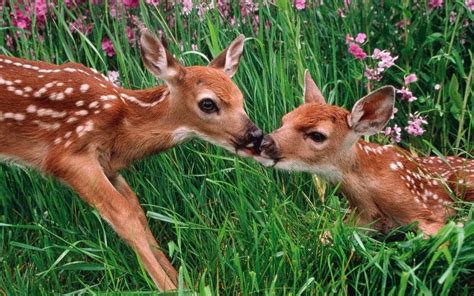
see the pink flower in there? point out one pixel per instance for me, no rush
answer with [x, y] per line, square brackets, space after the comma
[130, 35]
[114, 76]
[410, 78]
[21, 19]
[373, 74]
[9, 41]
[130, 3]
[340, 13]
[415, 125]
[224, 8]
[470, 4]
[187, 7]
[386, 60]
[78, 25]
[395, 110]
[432, 4]
[108, 47]
[349, 39]
[401, 24]
[153, 2]
[357, 51]
[453, 15]
[407, 94]
[300, 4]
[347, 3]
[194, 47]
[394, 133]
[360, 38]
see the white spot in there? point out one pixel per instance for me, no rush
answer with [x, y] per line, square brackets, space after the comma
[81, 112]
[393, 166]
[31, 109]
[94, 104]
[71, 119]
[68, 90]
[57, 141]
[80, 103]
[60, 96]
[19, 116]
[84, 87]
[28, 89]
[18, 92]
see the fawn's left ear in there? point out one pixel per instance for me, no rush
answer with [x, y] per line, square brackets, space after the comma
[371, 113]
[312, 94]
[228, 60]
[158, 60]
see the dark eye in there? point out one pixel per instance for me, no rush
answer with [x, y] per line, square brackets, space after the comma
[208, 106]
[317, 137]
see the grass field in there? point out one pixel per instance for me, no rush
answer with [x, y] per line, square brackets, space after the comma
[230, 225]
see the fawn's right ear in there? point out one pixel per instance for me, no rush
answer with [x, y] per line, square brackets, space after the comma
[312, 94]
[228, 60]
[158, 60]
[371, 113]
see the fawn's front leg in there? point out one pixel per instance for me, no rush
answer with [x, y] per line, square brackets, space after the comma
[122, 186]
[85, 175]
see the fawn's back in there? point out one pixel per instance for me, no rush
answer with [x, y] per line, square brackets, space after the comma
[47, 108]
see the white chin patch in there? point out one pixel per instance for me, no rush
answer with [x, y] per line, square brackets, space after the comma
[268, 162]
[215, 142]
[329, 172]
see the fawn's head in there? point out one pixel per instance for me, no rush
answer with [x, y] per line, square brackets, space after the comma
[315, 137]
[203, 99]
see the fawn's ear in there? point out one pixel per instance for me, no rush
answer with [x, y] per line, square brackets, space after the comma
[371, 113]
[158, 60]
[228, 60]
[312, 94]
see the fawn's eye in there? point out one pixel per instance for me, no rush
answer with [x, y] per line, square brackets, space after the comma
[317, 137]
[208, 106]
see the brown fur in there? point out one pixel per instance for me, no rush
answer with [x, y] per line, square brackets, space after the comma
[90, 129]
[385, 185]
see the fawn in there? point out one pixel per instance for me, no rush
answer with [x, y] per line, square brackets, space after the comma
[71, 122]
[385, 185]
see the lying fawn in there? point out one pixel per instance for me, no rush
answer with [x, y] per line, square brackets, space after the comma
[73, 123]
[385, 185]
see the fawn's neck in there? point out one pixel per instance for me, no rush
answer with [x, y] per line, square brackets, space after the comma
[149, 124]
[362, 172]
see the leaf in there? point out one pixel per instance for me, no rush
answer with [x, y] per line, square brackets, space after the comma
[454, 94]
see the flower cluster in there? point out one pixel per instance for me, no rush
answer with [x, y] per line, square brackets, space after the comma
[300, 4]
[354, 45]
[405, 92]
[415, 125]
[380, 61]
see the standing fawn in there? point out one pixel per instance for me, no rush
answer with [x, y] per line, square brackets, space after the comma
[385, 185]
[71, 122]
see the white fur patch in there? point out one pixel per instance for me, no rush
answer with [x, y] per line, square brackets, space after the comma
[329, 172]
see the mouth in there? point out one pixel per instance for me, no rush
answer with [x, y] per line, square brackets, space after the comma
[250, 149]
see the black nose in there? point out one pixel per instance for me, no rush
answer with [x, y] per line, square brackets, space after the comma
[256, 137]
[268, 147]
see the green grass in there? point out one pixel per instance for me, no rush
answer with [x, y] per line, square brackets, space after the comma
[228, 224]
